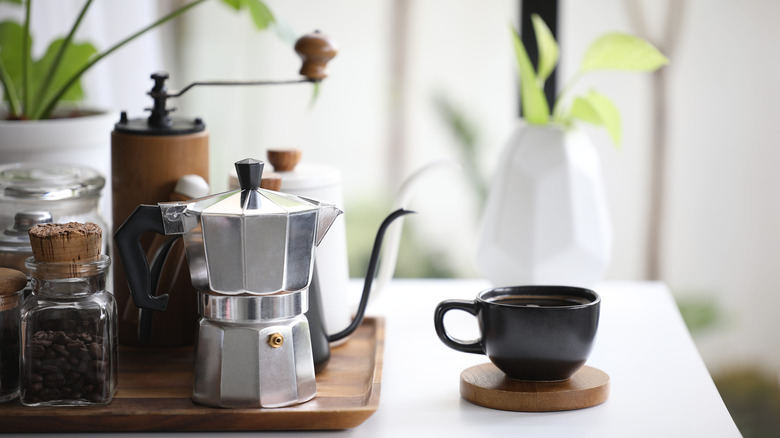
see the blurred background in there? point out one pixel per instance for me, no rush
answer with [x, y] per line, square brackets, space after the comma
[416, 81]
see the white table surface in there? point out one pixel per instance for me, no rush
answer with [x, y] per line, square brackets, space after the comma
[659, 384]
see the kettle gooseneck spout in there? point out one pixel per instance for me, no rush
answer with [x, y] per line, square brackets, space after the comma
[372, 265]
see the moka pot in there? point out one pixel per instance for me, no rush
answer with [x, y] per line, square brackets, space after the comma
[250, 254]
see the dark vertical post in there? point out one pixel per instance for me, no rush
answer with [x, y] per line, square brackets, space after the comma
[548, 10]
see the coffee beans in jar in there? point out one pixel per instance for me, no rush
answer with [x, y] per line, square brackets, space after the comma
[12, 284]
[69, 335]
[69, 360]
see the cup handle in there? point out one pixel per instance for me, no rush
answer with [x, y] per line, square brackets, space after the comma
[456, 344]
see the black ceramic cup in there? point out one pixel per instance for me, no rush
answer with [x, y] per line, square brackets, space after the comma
[532, 333]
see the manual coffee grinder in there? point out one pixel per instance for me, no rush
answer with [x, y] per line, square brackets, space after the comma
[250, 253]
[150, 155]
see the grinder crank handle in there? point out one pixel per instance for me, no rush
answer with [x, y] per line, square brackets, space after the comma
[131, 254]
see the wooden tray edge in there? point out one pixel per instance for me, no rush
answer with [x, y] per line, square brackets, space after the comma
[36, 420]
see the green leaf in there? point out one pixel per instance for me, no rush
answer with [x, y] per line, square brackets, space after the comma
[700, 313]
[620, 51]
[9, 92]
[583, 110]
[235, 4]
[74, 58]
[285, 33]
[11, 53]
[315, 94]
[11, 36]
[18, 2]
[260, 13]
[548, 49]
[534, 103]
[466, 135]
[460, 126]
[262, 17]
[598, 109]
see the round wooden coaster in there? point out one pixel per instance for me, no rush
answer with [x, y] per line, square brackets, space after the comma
[485, 385]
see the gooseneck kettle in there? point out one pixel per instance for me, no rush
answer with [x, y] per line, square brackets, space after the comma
[321, 340]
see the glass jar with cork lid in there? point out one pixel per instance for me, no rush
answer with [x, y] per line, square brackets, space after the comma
[69, 336]
[12, 283]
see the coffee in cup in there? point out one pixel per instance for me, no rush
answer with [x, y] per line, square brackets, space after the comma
[531, 333]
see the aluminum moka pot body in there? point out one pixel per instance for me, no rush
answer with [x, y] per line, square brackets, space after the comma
[253, 351]
[252, 241]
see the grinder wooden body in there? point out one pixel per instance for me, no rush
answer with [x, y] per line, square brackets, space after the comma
[145, 170]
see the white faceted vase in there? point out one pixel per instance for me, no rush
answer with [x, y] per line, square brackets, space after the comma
[546, 218]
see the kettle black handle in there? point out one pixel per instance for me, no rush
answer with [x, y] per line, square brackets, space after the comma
[131, 254]
[372, 264]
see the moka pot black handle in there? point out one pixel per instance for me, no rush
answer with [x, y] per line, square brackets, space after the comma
[133, 257]
[158, 261]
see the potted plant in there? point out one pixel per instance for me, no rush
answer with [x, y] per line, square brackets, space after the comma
[33, 88]
[546, 219]
[35, 126]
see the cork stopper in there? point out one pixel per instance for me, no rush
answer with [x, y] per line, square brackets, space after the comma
[284, 160]
[73, 242]
[11, 282]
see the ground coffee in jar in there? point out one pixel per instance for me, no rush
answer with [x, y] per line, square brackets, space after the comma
[12, 284]
[69, 331]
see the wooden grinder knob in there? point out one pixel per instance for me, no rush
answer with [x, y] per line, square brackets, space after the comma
[315, 50]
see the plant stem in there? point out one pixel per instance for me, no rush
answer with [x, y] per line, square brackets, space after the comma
[25, 51]
[10, 91]
[46, 84]
[556, 112]
[51, 102]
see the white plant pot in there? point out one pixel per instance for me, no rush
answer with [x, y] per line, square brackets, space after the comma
[546, 219]
[84, 140]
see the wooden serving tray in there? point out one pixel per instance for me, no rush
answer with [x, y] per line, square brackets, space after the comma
[155, 387]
